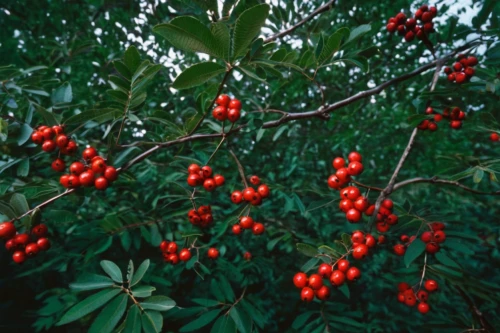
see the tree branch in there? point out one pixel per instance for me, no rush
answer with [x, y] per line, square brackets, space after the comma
[240, 168]
[475, 311]
[327, 6]
[435, 180]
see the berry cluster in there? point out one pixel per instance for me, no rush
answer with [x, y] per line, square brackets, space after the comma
[361, 244]
[201, 217]
[24, 245]
[494, 137]
[87, 173]
[409, 28]
[343, 174]
[385, 217]
[251, 195]
[431, 238]
[246, 222]
[462, 69]
[408, 296]
[456, 116]
[227, 108]
[52, 138]
[203, 176]
[352, 203]
[169, 251]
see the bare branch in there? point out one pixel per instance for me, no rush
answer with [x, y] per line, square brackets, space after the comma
[240, 168]
[435, 180]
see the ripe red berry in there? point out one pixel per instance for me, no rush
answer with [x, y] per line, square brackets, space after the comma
[423, 308]
[315, 281]
[207, 171]
[391, 27]
[246, 222]
[21, 240]
[19, 257]
[247, 256]
[64, 181]
[263, 190]
[400, 18]
[110, 173]
[358, 237]
[433, 11]
[89, 153]
[438, 117]
[411, 23]
[426, 17]
[355, 168]
[209, 184]
[300, 280]
[101, 183]
[98, 165]
[360, 251]
[401, 297]
[370, 210]
[40, 230]
[399, 249]
[494, 137]
[418, 14]
[213, 253]
[58, 129]
[48, 133]
[325, 270]
[236, 197]
[370, 241]
[343, 175]
[233, 115]
[194, 180]
[48, 146]
[338, 162]
[439, 236]
[248, 194]
[361, 203]
[194, 168]
[323, 293]
[173, 258]
[392, 219]
[459, 77]
[73, 181]
[432, 248]
[345, 205]
[387, 203]
[31, 249]
[472, 61]
[37, 137]
[7, 230]
[184, 255]
[353, 274]
[58, 165]
[70, 148]
[204, 210]
[353, 215]
[43, 244]
[410, 299]
[76, 168]
[206, 219]
[307, 294]
[334, 182]
[236, 229]
[354, 157]
[172, 247]
[62, 140]
[422, 296]
[10, 245]
[409, 36]
[353, 193]
[337, 278]
[455, 124]
[343, 265]
[469, 71]
[164, 246]
[431, 285]
[403, 286]
[219, 180]
[86, 178]
[220, 113]
[255, 180]
[235, 104]
[258, 229]
[222, 100]
[429, 27]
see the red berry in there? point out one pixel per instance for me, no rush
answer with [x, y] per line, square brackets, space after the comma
[300, 280]
[31, 249]
[494, 137]
[358, 237]
[455, 124]
[345, 205]
[48, 133]
[353, 274]
[98, 165]
[86, 178]
[207, 171]
[49, 146]
[337, 277]
[173, 258]
[247, 256]
[255, 180]
[43, 244]
[7, 230]
[401, 297]
[354, 157]
[401, 18]
[429, 27]
[353, 193]
[431, 285]
[353, 215]
[89, 153]
[391, 27]
[58, 165]
[246, 222]
[21, 240]
[426, 17]
[76, 168]
[233, 115]
[307, 294]
[411, 23]
[236, 229]
[439, 236]
[220, 113]
[472, 61]
[213, 253]
[433, 11]
[469, 71]
[263, 190]
[338, 163]
[409, 36]
[399, 249]
[343, 265]
[235, 104]
[209, 184]
[370, 210]
[248, 194]
[172, 247]
[194, 180]
[334, 182]
[37, 137]
[315, 281]
[10, 245]
[206, 219]
[184, 255]
[360, 251]
[204, 210]
[73, 181]
[19, 257]
[392, 219]
[361, 204]
[355, 168]
[70, 148]
[110, 173]
[62, 141]
[459, 77]
[323, 293]
[423, 308]
[343, 175]
[194, 168]
[418, 14]
[258, 229]
[222, 100]
[432, 248]
[423, 296]
[164, 246]
[403, 286]
[236, 197]
[410, 299]
[387, 203]
[64, 181]
[370, 241]
[401, 30]
[40, 230]
[256, 200]
[57, 129]
[101, 183]
[451, 77]
[325, 270]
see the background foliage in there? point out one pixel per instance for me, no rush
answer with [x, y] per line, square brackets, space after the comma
[78, 44]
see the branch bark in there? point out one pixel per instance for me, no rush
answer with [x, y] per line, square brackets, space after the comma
[436, 180]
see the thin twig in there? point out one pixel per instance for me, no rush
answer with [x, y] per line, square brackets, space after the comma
[475, 311]
[216, 149]
[240, 168]
[45, 203]
[373, 188]
[435, 180]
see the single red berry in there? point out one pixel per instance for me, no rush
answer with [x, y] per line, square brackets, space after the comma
[58, 129]
[10, 245]
[31, 249]
[19, 257]
[429, 27]
[392, 219]
[345, 205]
[370, 241]
[222, 100]
[433, 11]
[206, 209]
[323, 293]
[411, 23]
[353, 193]
[387, 203]
[89, 153]
[399, 249]
[194, 180]
[206, 220]
[256, 199]
[338, 162]
[423, 308]
[334, 182]
[400, 18]
[263, 190]
[469, 71]
[422, 296]
[472, 61]
[207, 171]
[343, 175]
[194, 168]
[409, 36]
[220, 113]
[307, 294]
[48, 146]
[236, 229]
[355, 168]
[325, 270]
[343, 265]
[219, 180]
[360, 252]
[209, 184]
[7, 230]
[184, 255]
[164, 246]
[459, 77]
[64, 181]
[300, 280]
[358, 237]
[58, 165]
[110, 173]
[404, 238]
[236, 197]
[353, 215]
[37, 137]
[98, 166]
[452, 77]
[76, 168]
[370, 210]
[258, 228]
[494, 137]
[354, 157]
[401, 297]
[455, 124]
[247, 256]
[173, 258]
[86, 178]
[426, 16]
[73, 181]
[438, 117]
[403, 286]
[101, 183]
[410, 299]
[315, 281]
[353, 274]
[391, 27]
[431, 285]
[439, 236]
[48, 133]
[43, 244]
[432, 248]
[235, 104]
[40, 230]
[21, 240]
[248, 194]
[337, 278]
[172, 247]
[62, 141]
[233, 115]
[213, 253]
[70, 149]
[255, 180]
[246, 222]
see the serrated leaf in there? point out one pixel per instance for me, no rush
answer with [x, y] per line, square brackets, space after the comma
[109, 317]
[112, 270]
[88, 305]
[133, 320]
[197, 74]
[91, 282]
[414, 250]
[97, 115]
[158, 303]
[307, 249]
[139, 274]
[247, 26]
[201, 321]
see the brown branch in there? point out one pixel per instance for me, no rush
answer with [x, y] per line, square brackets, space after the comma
[327, 6]
[435, 180]
[475, 311]
[372, 188]
[45, 203]
[240, 169]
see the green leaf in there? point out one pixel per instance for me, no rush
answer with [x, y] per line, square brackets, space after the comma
[189, 34]
[139, 274]
[23, 168]
[224, 324]
[307, 249]
[91, 282]
[330, 251]
[445, 260]
[272, 243]
[358, 32]
[63, 94]
[120, 83]
[301, 319]
[143, 291]
[359, 61]
[24, 134]
[97, 115]
[309, 265]
[112, 270]
[248, 25]
[132, 58]
[344, 289]
[206, 302]
[320, 46]
[88, 305]
[122, 69]
[133, 320]
[331, 46]
[223, 38]
[416, 248]
[241, 319]
[152, 321]
[130, 271]
[19, 203]
[140, 70]
[49, 117]
[201, 321]
[227, 289]
[478, 176]
[7, 210]
[158, 303]
[216, 291]
[346, 239]
[197, 74]
[109, 317]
